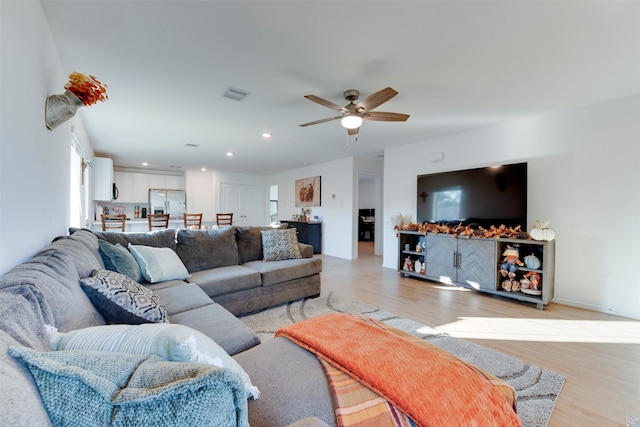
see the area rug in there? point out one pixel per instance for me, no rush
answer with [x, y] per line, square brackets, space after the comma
[536, 389]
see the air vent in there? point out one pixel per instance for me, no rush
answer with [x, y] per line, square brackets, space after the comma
[235, 94]
[191, 145]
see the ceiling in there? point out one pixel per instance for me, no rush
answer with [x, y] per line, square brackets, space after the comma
[457, 65]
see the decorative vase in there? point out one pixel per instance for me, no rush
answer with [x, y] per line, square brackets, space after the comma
[60, 108]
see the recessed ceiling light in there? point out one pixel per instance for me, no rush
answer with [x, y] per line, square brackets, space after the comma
[203, 169]
[145, 164]
[266, 135]
[229, 154]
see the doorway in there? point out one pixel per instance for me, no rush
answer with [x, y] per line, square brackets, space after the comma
[369, 215]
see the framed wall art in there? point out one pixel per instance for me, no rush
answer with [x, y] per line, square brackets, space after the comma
[308, 192]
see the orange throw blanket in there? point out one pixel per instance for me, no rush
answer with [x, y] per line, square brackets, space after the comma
[431, 389]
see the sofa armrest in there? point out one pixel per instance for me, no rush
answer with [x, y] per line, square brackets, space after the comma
[306, 250]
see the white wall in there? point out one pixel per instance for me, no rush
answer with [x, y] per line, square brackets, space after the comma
[337, 200]
[34, 162]
[583, 177]
[367, 194]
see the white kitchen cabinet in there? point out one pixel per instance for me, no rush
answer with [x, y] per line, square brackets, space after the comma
[124, 182]
[134, 186]
[102, 178]
[140, 187]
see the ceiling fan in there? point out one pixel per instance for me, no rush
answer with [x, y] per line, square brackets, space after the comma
[353, 114]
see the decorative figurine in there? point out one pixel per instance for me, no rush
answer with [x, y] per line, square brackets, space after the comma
[408, 264]
[535, 283]
[511, 262]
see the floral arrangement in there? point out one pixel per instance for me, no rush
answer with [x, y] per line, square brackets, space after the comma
[87, 88]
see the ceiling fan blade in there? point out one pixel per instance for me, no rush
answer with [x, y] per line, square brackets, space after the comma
[382, 116]
[328, 119]
[353, 131]
[376, 99]
[326, 103]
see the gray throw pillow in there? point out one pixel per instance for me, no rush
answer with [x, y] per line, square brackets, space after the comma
[94, 388]
[121, 300]
[280, 244]
[118, 258]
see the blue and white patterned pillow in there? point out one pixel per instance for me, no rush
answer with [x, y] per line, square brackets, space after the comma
[280, 244]
[121, 300]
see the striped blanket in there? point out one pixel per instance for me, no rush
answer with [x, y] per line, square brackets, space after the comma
[425, 386]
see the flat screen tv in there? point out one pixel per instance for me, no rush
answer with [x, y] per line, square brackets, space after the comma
[487, 196]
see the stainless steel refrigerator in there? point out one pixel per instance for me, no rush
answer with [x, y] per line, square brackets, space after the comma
[173, 202]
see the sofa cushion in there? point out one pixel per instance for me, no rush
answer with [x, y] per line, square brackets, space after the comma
[280, 244]
[291, 390]
[82, 258]
[181, 296]
[50, 280]
[87, 238]
[118, 258]
[276, 272]
[220, 325]
[165, 238]
[19, 398]
[121, 300]
[204, 249]
[86, 388]
[158, 264]
[176, 343]
[224, 280]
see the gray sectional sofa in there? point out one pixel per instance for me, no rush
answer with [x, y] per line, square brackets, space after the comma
[228, 265]
[45, 292]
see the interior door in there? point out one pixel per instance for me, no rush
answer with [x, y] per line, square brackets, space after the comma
[246, 202]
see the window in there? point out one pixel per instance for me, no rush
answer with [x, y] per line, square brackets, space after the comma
[273, 203]
[78, 188]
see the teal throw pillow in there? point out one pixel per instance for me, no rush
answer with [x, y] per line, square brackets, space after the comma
[118, 258]
[89, 388]
[172, 342]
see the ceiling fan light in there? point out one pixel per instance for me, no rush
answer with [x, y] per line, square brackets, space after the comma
[351, 121]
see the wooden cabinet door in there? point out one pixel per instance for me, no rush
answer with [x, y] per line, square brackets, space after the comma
[441, 257]
[477, 263]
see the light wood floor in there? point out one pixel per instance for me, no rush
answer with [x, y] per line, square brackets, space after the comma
[597, 353]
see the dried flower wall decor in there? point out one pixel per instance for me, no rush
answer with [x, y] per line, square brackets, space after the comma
[88, 88]
[81, 90]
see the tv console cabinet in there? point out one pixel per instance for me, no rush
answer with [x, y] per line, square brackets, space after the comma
[474, 263]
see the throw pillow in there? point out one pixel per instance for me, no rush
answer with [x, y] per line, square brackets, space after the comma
[280, 244]
[177, 343]
[159, 264]
[117, 258]
[85, 388]
[121, 300]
